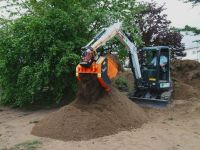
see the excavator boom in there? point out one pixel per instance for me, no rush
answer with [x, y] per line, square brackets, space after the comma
[152, 83]
[105, 67]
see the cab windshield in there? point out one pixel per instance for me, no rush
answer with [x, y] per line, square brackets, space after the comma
[147, 57]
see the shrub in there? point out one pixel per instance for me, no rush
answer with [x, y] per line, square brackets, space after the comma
[40, 50]
[121, 84]
[37, 59]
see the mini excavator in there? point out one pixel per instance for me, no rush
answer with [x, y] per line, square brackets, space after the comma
[152, 82]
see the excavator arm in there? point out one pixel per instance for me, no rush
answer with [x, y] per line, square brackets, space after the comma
[104, 66]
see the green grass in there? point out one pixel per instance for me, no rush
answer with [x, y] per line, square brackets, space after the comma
[121, 83]
[29, 145]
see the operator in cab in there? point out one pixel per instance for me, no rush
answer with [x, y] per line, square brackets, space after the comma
[163, 62]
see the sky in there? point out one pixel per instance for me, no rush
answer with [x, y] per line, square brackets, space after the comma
[182, 14]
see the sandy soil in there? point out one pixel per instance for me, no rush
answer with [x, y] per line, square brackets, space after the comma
[174, 128]
[106, 115]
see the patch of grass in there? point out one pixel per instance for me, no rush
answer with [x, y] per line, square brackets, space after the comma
[121, 83]
[29, 145]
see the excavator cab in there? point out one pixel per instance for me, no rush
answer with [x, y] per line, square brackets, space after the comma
[155, 84]
[155, 63]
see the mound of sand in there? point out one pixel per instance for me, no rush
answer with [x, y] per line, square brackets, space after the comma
[187, 70]
[186, 79]
[93, 114]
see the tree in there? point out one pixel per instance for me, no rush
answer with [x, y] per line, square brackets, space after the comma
[195, 30]
[155, 28]
[40, 49]
[37, 59]
[194, 2]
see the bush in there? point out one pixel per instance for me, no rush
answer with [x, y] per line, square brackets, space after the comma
[121, 84]
[40, 50]
[37, 59]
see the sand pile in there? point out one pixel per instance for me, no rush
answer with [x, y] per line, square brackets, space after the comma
[93, 114]
[186, 79]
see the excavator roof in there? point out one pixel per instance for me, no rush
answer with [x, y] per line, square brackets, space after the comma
[155, 48]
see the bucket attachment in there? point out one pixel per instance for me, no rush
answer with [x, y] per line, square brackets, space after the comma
[105, 69]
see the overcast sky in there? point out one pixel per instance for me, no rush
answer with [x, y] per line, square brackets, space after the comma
[180, 13]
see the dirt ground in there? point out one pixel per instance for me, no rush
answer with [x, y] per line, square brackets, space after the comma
[174, 128]
[106, 115]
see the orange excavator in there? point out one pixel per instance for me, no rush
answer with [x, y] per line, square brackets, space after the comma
[149, 83]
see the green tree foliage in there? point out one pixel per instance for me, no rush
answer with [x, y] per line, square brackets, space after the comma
[40, 50]
[194, 2]
[195, 30]
[121, 84]
[37, 58]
